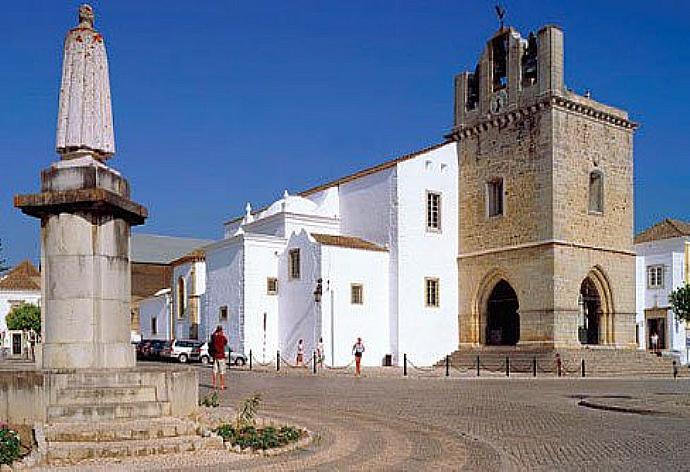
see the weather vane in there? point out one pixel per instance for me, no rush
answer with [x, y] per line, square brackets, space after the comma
[500, 13]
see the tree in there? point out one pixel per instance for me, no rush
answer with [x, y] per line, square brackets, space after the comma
[24, 316]
[680, 302]
[3, 262]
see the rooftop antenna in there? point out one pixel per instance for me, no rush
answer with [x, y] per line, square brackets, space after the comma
[500, 13]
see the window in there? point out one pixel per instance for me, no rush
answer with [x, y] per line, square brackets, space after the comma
[223, 314]
[655, 276]
[494, 194]
[596, 192]
[433, 211]
[154, 325]
[271, 286]
[357, 294]
[181, 297]
[432, 295]
[294, 266]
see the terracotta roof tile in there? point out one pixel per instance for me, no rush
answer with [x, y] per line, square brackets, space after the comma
[665, 229]
[194, 256]
[347, 241]
[24, 276]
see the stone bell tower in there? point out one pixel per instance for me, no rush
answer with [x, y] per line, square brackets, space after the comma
[86, 214]
[546, 203]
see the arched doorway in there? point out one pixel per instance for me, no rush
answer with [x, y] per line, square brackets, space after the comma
[590, 313]
[502, 318]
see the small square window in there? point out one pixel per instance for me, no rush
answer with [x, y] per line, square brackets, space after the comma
[655, 276]
[357, 294]
[494, 195]
[272, 286]
[431, 289]
[223, 314]
[433, 211]
[293, 264]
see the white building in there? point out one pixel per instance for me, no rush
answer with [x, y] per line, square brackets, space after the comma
[663, 264]
[379, 247]
[21, 284]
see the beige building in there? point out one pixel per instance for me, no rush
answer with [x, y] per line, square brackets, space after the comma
[545, 203]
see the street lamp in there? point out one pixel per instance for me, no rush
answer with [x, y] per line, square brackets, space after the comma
[318, 291]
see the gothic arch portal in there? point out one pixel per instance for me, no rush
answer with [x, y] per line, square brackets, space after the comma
[496, 310]
[595, 302]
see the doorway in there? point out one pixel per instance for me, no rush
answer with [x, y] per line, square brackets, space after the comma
[503, 320]
[590, 313]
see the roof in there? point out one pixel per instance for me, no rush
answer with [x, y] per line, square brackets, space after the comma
[359, 174]
[347, 241]
[665, 229]
[158, 249]
[24, 276]
[193, 256]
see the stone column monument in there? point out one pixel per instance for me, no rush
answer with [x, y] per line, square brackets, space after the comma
[86, 214]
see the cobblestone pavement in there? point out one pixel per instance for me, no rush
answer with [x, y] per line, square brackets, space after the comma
[393, 423]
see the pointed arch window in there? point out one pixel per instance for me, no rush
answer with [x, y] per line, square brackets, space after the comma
[596, 192]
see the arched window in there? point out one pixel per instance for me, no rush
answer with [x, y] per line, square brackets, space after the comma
[181, 297]
[596, 192]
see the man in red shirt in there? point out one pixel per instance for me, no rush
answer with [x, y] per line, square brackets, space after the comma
[218, 343]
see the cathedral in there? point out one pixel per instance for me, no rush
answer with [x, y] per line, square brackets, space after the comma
[515, 231]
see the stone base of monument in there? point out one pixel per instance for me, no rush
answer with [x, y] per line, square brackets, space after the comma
[91, 414]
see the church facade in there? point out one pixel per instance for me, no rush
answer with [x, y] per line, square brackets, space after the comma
[546, 203]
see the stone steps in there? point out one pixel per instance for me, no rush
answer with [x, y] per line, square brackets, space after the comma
[105, 394]
[118, 430]
[108, 411]
[67, 453]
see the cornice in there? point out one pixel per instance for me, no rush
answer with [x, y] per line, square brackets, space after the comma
[553, 101]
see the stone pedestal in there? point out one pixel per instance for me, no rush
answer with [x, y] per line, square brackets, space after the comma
[86, 215]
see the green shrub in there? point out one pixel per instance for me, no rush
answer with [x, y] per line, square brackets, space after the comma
[9, 445]
[210, 400]
[262, 438]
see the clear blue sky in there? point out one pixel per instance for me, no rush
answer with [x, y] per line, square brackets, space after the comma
[217, 103]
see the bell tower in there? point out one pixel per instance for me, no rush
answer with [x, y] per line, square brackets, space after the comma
[545, 203]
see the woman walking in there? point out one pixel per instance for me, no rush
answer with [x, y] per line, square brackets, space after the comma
[358, 350]
[300, 353]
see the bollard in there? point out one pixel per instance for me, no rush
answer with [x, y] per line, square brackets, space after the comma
[534, 366]
[405, 365]
[477, 366]
[583, 367]
[447, 366]
[507, 366]
[675, 369]
[250, 359]
[277, 360]
[313, 357]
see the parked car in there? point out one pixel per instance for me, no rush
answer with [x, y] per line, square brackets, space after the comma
[233, 358]
[156, 348]
[179, 349]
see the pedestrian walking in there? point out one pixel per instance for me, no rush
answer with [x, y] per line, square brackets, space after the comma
[319, 353]
[675, 370]
[300, 353]
[655, 342]
[358, 350]
[217, 352]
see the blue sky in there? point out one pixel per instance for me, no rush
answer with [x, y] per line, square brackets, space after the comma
[217, 103]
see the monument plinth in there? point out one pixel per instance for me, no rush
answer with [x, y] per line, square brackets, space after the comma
[86, 214]
[86, 368]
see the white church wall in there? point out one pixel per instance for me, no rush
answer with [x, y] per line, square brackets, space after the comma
[154, 308]
[224, 287]
[296, 223]
[342, 321]
[328, 201]
[273, 225]
[261, 262]
[296, 301]
[640, 293]
[427, 334]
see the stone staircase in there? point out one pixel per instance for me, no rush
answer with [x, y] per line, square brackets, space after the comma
[599, 361]
[96, 416]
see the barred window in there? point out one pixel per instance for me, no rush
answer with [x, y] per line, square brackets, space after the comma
[433, 211]
[357, 294]
[294, 264]
[432, 295]
[494, 195]
[655, 276]
[271, 286]
[596, 192]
